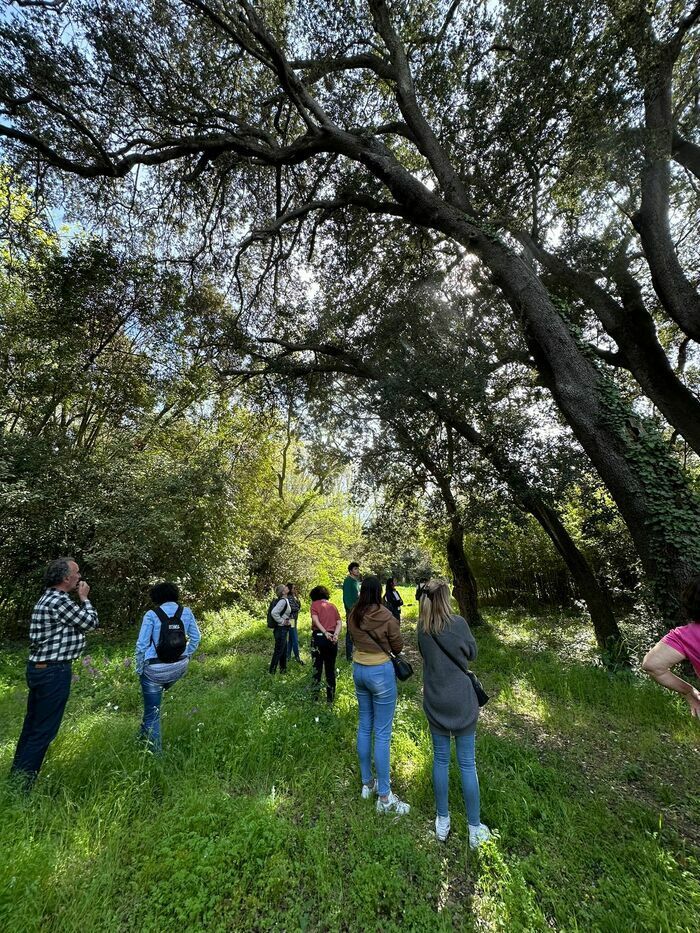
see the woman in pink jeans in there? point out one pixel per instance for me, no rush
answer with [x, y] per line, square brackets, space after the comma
[682, 643]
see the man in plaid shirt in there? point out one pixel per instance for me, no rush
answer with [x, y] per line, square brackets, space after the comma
[57, 637]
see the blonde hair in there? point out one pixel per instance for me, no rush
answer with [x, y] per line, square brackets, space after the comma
[435, 606]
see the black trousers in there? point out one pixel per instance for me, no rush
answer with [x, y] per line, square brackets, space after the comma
[279, 655]
[324, 654]
[49, 689]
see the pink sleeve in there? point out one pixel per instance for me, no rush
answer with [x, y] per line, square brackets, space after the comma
[674, 639]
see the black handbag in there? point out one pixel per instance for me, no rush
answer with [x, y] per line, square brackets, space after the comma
[402, 668]
[482, 696]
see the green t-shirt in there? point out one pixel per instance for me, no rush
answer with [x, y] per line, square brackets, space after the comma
[351, 592]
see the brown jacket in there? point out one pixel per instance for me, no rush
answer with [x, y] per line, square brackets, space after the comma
[382, 624]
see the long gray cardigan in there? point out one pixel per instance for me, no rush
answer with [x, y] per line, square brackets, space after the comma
[449, 700]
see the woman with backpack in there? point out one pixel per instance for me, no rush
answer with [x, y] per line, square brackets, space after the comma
[392, 599]
[450, 704]
[168, 638]
[279, 615]
[375, 635]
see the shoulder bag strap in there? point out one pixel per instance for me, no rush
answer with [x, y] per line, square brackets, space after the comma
[378, 643]
[454, 660]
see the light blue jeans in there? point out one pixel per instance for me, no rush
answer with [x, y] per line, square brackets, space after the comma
[293, 643]
[154, 679]
[150, 724]
[375, 688]
[467, 769]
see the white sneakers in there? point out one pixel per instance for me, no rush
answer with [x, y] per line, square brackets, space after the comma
[478, 834]
[442, 827]
[392, 805]
[369, 790]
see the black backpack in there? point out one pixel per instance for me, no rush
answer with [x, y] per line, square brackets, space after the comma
[271, 623]
[171, 640]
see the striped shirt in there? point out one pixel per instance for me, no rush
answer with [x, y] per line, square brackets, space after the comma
[57, 627]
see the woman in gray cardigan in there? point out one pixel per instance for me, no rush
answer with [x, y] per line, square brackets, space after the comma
[447, 645]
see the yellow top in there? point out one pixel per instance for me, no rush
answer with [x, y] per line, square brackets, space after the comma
[369, 658]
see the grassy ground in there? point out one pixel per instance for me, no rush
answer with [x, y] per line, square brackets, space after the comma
[252, 819]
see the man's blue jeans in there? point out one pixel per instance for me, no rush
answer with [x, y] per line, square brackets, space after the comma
[150, 725]
[467, 769]
[49, 689]
[375, 687]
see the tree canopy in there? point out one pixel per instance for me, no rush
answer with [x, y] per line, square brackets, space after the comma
[479, 215]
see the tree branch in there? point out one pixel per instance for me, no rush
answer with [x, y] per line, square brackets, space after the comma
[426, 140]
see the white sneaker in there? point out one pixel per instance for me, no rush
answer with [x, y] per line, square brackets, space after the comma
[442, 827]
[392, 805]
[478, 834]
[369, 790]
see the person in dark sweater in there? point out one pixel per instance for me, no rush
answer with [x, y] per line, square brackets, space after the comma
[392, 599]
[447, 645]
[293, 639]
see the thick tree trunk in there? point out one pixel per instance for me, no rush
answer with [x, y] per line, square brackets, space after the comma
[464, 588]
[660, 511]
[637, 339]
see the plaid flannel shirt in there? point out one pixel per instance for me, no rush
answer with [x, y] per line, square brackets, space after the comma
[57, 627]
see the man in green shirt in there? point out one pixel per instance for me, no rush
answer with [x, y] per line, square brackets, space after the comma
[351, 593]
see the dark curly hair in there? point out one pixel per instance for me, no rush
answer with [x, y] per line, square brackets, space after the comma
[319, 592]
[164, 593]
[690, 600]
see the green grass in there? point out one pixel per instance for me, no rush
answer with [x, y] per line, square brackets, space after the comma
[252, 819]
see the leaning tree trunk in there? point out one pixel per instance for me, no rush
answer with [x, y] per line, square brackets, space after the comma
[593, 591]
[657, 505]
[633, 329]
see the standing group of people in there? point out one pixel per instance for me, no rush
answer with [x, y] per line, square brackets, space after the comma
[169, 636]
[373, 643]
[446, 645]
